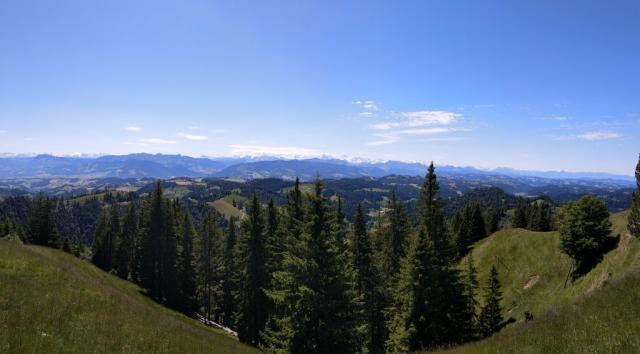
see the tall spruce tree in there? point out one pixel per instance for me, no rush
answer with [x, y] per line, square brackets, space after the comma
[125, 254]
[492, 221]
[428, 198]
[471, 286]
[186, 265]
[169, 271]
[391, 236]
[229, 276]
[470, 228]
[491, 320]
[395, 237]
[520, 219]
[158, 251]
[295, 212]
[366, 284]
[104, 244]
[634, 214]
[115, 233]
[312, 291]
[432, 218]
[478, 227]
[253, 304]
[431, 304]
[206, 264]
[538, 219]
[406, 318]
[273, 240]
[42, 224]
[340, 228]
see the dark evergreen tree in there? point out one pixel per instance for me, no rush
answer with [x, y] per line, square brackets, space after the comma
[431, 306]
[491, 320]
[584, 227]
[207, 264]
[125, 254]
[472, 285]
[539, 219]
[295, 212]
[186, 265]
[406, 316]
[312, 292]
[634, 214]
[273, 242]
[102, 244]
[367, 282]
[340, 228]
[9, 228]
[253, 303]
[478, 227]
[229, 276]
[395, 238]
[42, 226]
[391, 236]
[170, 283]
[470, 228]
[428, 198]
[78, 247]
[158, 250]
[66, 245]
[492, 221]
[520, 219]
[457, 222]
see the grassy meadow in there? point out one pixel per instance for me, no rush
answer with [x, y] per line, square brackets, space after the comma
[52, 302]
[597, 313]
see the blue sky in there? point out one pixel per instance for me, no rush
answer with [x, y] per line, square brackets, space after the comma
[546, 85]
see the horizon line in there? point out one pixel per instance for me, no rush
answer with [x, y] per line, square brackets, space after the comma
[275, 157]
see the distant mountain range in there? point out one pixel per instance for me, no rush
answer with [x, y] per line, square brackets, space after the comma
[168, 166]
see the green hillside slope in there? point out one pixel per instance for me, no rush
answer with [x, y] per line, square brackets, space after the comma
[597, 313]
[51, 302]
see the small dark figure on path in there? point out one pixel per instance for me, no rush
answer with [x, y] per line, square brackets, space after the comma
[528, 316]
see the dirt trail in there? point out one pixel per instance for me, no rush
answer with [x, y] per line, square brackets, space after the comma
[532, 281]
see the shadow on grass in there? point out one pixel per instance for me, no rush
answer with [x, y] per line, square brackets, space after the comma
[586, 266]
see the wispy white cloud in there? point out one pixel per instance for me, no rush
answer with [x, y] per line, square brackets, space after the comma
[283, 151]
[421, 131]
[394, 136]
[557, 118]
[369, 108]
[452, 138]
[3, 131]
[193, 127]
[193, 137]
[425, 122]
[419, 119]
[367, 104]
[383, 139]
[157, 141]
[599, 135]
[133, 129]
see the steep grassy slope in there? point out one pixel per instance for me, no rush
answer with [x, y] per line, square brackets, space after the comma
[51, 302]
[225, 206]
[598, 313]
[534, 271]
